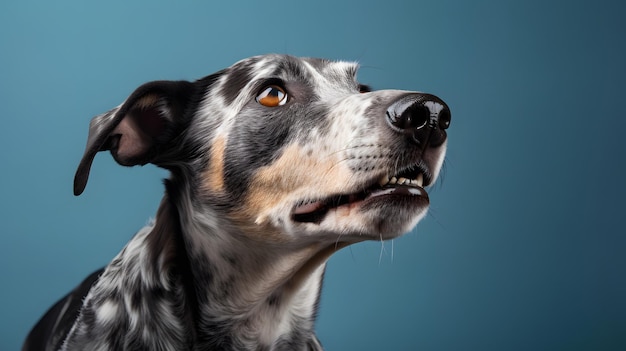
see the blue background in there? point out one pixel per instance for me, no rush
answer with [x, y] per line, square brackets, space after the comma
[525, 244]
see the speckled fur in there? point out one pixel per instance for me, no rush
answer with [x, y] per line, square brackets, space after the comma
[224, 266]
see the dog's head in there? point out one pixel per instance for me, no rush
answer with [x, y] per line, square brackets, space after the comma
[287, 149]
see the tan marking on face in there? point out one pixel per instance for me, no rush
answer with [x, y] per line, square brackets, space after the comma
[213, 177]
[292, 177]
[261, 232]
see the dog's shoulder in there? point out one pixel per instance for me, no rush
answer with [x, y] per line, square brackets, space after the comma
[53, 327]
[140, 300]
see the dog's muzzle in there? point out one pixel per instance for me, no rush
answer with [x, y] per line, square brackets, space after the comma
[422, 119]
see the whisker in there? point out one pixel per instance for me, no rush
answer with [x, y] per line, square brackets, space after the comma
[382, 249]
[432, 214]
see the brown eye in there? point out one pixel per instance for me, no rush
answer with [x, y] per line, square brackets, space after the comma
[272, 96]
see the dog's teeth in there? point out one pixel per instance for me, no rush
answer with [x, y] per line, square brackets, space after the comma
[420, 180]
[383, 181]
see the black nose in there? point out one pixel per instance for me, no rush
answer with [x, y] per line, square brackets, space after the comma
[422, 117]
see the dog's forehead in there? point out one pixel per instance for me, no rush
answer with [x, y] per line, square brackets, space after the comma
[315, 72]
[291, 67]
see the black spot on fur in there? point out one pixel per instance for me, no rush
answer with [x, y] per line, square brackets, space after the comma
[238, 77]
[231, 259]
[225, 287]
[203, 277]
[135, 299]
[217, 336]
[273, 300]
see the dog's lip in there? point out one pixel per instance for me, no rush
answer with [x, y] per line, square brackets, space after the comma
[315, 210]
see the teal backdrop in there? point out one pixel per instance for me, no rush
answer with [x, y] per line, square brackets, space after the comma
[524, 247]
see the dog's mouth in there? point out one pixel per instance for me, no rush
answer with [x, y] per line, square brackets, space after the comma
[407, 184]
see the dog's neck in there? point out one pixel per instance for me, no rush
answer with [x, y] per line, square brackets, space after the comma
[247, 293]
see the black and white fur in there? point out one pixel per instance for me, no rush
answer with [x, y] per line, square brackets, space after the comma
[258, 199]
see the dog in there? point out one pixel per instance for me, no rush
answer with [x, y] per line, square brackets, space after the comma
[275, 163]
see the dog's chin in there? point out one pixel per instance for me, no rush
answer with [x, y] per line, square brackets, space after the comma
[382, 213]
[393, 216]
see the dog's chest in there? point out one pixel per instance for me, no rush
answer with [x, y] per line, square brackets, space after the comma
[135, 304]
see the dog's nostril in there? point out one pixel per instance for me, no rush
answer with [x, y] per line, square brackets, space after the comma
[417, 117]
[444, 119]
[408, 116]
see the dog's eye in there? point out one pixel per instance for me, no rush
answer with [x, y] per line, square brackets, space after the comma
[272, 96]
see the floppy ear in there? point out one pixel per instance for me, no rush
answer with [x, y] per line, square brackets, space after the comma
[141, 130]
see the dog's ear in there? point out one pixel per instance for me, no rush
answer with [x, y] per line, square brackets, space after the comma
[141, 130]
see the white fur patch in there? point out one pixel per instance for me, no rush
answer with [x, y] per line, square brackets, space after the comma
[107, 312]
